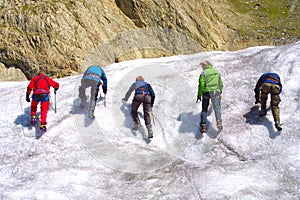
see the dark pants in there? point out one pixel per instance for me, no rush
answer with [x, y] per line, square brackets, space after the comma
[136, 102]
[85, 83]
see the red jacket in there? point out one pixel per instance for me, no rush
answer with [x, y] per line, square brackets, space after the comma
[41, 84]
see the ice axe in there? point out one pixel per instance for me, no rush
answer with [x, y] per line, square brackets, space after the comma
[104, 98]
[152, 118]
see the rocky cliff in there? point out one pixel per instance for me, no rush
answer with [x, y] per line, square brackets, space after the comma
[63, 36]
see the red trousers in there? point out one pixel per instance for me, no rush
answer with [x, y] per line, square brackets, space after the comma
[44, 110]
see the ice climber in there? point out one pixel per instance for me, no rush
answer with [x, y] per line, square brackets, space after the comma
[93, 77]
[210, 87]
[145, 95]
[269, 83]
[40, 85]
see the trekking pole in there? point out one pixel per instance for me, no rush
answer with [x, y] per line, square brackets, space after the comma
[55, 102]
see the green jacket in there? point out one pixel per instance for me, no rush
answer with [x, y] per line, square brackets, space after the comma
[210, 80]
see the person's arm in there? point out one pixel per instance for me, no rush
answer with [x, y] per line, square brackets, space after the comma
[257, 88]
[152, 94]
[221, 85]
[128, 93]
[30, 86]
[52, 83]
[280, 85]
[200, 86]
[104, 79]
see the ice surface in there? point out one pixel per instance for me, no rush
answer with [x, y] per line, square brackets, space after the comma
[104, 159]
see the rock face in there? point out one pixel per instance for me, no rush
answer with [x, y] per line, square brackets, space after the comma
[59, 36]
[11, 74]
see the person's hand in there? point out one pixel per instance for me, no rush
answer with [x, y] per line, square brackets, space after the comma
[104, 90]
[257, 101]
[55, 89]
[27, 98]
[124, 99]
[198, 99]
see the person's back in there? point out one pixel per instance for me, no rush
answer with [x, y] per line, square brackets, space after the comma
[212, 79]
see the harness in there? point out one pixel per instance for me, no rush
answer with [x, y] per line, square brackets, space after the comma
[93, 75]
[35, 83]
[142, 90]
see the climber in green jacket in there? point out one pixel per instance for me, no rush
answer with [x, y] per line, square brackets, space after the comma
[210, 87]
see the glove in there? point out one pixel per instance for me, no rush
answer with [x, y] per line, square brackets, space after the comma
[198, 99]
[27, 98]
[55, 89]
[257, 98]
[104, 90]
[124, 99]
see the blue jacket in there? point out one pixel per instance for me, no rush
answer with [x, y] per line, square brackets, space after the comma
[96, 73]
[269, 77]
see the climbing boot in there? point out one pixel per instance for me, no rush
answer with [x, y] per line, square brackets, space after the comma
[91, 115]
[150, 132]
[203, 128]
[33, 119]
[43, 128]
[136, 125]
[278, 126]
[219, 124]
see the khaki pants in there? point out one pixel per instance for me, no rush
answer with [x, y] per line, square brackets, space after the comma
[274, 90]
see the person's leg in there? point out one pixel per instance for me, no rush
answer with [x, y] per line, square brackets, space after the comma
[265, 90]
[275, 100]
[216, 103]
[134, 107]
[147, 115]
[44, 110]
[33, 107]
[33, 111]
[147, 110]
[94, 95]
[205, 104]
[82, 96]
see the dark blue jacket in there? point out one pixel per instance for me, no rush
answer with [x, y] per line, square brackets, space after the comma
[269, 77]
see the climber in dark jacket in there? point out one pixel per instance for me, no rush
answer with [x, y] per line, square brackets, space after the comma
[269, 83]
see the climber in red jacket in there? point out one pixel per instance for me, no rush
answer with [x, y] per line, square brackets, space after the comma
[40, 85]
